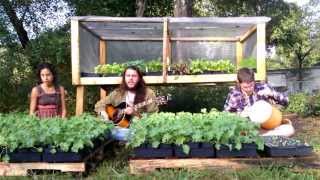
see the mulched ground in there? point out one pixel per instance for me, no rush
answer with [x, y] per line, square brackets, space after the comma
[308, 129]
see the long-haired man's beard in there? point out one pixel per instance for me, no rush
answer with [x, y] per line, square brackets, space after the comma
[132, 88]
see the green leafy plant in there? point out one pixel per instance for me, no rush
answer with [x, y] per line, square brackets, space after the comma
[299, 103]
[22, 131]
[113, 68]
[217, 128]
[199, 66]
[249, 62]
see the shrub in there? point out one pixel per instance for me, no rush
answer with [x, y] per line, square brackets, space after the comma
[300, 104]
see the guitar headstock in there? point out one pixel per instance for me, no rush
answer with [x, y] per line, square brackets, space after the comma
[161, 100]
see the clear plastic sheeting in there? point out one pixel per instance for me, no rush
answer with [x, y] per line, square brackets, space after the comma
[89, 51]
[128, 39]
[186, 51]
[250, 46]
[201, 29]
[125, 51]
[113, 30]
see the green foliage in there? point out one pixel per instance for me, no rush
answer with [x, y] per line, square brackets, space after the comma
[15, 84]
[73, 134]
[192, 98]
[125, 8]
[315, 104]
[299, 103]
[200, 65]
[249, 62]
[217, 128]
[116, 68]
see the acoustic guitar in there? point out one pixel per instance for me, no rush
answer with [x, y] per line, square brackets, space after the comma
[123, 120]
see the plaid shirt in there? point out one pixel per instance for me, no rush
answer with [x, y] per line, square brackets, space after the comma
[238, 101]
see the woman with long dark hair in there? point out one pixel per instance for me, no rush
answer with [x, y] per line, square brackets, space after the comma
[47, 98]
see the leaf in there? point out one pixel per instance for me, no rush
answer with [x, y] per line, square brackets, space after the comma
[185, 148]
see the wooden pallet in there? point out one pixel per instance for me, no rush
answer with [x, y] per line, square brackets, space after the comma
[21, 169]
[139, 166]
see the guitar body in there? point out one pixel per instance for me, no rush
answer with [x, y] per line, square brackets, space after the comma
[112, 113]
[124, 120]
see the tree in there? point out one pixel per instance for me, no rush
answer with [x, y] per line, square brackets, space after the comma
[183, 8]
[140, 7]
[27, 18]
[297, 41]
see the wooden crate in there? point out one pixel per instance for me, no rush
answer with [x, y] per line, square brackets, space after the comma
[139, 166]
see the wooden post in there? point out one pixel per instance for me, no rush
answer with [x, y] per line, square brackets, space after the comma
[165, 50]
[75, 60]
[239, 53]
[79, 100]
[261, 49]
[102, 60]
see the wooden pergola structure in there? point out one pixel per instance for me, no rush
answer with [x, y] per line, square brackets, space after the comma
[98, 33]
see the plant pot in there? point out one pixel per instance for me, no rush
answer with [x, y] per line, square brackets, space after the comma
[247, 150]
[206, 145]
[147, 151]
[153, 73]
[85, 74]
[25, 155]
[214, 72]
[195, 151]
[63, 157]
[110, 75]
[287, 151]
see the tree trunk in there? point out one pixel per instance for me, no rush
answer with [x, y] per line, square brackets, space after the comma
[16, 22]
[140, 7]
[300, 77]
[182, 8]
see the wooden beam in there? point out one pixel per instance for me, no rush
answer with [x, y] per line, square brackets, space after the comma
[174, 79]
[75, 57]
[217, 39]
[21, 169]
[102, 60]
[79, 100]
[261, 51]
[137, 166]
[220, 20]
[165, 50]
[248, 33]
[239, 53]
[131, 38]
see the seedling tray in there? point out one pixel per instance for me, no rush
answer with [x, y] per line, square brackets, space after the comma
[25, 155]
[196, 151]
[277, 146]
[147, 151]
[247, 150]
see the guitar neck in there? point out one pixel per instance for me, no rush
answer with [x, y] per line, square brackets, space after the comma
[144, 103]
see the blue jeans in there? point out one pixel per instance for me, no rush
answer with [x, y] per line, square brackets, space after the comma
[120, 134]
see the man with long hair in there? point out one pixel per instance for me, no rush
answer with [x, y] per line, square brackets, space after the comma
[131, 91]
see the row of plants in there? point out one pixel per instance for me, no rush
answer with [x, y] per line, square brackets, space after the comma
[214, 127]
[196, 66]
[21, 131]
[154, 65]
[304, 104]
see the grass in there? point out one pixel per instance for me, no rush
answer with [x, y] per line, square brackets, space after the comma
[116, 165]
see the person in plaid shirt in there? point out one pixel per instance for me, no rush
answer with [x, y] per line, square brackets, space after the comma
[247, 92]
